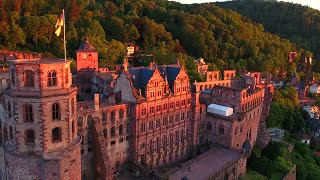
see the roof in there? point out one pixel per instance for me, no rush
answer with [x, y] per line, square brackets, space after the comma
[86, 46]
[206, 165]
[219, 107]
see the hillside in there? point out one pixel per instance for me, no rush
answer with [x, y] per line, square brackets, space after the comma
[297, 23]
[168, 30]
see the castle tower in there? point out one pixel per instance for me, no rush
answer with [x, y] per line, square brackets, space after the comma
[40, 116]
[87, 57]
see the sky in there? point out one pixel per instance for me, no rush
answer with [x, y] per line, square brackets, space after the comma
[311, 3]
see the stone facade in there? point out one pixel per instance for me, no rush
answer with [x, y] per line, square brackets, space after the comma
[40, 116]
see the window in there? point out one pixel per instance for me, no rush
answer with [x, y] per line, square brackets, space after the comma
[55, 111]
[89, 120]
[104, 117]
[9, 110]
[121, 129]
[11, 132]
[182, 116]
[143, 111]
[171, 119]
[158, 123]
[221, 129]
[177, 117]
[113, 132]
[52, 78]
[177, 104]
[27, 113]
[56, 135]
[183, 102]
[128, 128]
[143, 127]
[29, 136]
[80, 121]
[67, 76]
[29, 78]
[164, 121]
[165, 106]
[105, 133]
[13, 78]
[150, 125]
[164, 140]
[121, 113]
[72, 106]
[151, 110]
[113, 115]
[89, 140]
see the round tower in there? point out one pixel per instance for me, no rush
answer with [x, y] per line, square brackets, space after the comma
[40, 108]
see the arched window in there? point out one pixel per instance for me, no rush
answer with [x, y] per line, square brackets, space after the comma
[209, 126]
[29, 78]
[121, 129]
[29, 136]
[27, 113]
[67, 76]
[221, 129]
[13, 78]
[56, 135]
[55, 111]
[104, 117]
[113, 132]
[105, 133]
[52, 78]
[80, 121]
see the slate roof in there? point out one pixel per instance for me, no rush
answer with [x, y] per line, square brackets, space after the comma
[141, 75]
[86, 46]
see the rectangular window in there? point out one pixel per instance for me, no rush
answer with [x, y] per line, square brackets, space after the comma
[171, 119]
[150, 125]
[182, 116]
[183, 102]
[165, 106]
[164, 121]
[151, 110]
[177, 104]
[143, 111]
[177, 117]
[143, 127]
[158, 123]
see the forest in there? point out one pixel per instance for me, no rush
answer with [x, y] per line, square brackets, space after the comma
[165, 29]
[297, 23]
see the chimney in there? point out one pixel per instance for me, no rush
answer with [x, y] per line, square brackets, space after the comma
[96, 101]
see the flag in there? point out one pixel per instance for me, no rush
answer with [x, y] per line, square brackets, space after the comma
[59, 25]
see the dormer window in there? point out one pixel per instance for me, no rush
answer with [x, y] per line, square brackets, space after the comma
[52, 78]
[29, 78]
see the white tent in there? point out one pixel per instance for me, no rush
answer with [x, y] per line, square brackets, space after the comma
[220, 110]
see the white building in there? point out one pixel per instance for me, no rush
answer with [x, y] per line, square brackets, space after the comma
[314, 88]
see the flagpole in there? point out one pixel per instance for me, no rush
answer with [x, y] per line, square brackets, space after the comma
[64, 36]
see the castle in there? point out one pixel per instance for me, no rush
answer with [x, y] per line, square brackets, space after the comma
[142, 118]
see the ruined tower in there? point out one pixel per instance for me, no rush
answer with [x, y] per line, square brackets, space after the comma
[40, 138]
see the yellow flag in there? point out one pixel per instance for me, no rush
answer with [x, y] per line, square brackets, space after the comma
[59, 25]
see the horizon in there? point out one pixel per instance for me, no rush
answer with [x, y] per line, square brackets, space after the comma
[310, 3]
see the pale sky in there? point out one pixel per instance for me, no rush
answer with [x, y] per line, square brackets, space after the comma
[311, 3]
